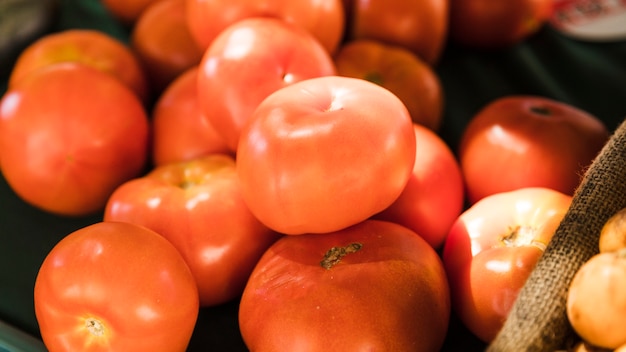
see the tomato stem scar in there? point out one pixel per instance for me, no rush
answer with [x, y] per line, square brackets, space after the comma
[334, 255]
[94, 326]
[517, 236]
[540, 110]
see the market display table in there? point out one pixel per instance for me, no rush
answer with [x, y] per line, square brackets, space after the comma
[590, 76]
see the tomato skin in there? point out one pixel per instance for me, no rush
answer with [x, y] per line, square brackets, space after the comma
[528, 141]
[324, 154]
[433, 197]
[249, 60]
[399, 70]
[492, 248]
[418, 25]
[198, 207]
[63, 146]
[496, 24]
[127, 11]
[126, 277]
[180, 131]
[323, 19]
[389, 295]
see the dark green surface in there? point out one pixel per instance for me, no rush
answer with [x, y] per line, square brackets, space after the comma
[591, 76]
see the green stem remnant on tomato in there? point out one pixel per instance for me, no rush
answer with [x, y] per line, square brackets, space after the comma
[94, 326]
[540, 110]
[334, 255]
[374, 77]
[518, 236]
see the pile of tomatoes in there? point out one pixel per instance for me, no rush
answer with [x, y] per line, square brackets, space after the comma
[283, 154]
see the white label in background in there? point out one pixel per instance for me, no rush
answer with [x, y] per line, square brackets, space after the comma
[592, 20]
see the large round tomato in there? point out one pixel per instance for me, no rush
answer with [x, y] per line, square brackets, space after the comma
[86, 46]
[528, 141]
[400, 71]
[325, 153]
[180, 131]
[197, 205]
[496, 23]
[433, 197]
[375, 286]
[418, 25]
[70, 135]
[323, 19]
[249, 60]
[115, 287]
[491, 250]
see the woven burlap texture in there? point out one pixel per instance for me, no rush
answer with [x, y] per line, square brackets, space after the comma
[538, 321]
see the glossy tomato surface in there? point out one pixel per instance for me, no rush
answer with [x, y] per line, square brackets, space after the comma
[64, 146]
[373, 286]
[528, 141]
[418, 25]
[248, 61]
[323, 19]
[115, 287]
[491, 250]
[197, 206]
[324, 154]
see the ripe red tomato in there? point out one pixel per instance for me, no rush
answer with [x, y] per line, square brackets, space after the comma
[433, 197]
[325, 153]
[495, 23]
[163, 43]
[399, 70]
[115, 287]
[198, 207]
[492, 248]
[85, 46]
[373, 286]
[418, 25]
[323, 19]
[180, 131]
[70, 135]
[249, 60]
[528, 141]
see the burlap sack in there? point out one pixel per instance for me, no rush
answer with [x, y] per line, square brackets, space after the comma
[538, 321]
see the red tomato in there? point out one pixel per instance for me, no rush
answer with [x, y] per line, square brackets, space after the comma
[325, 153]
[162, 41]
[323, 19]
[180, 131]
[85, 46]
[528, 141]
[418, 25]
[491, 250]
[496, 23]
[115, 287]
[433, 197]
[197, 206]
[69, 136]
[127, 11]
[375, 286]
[249, 60]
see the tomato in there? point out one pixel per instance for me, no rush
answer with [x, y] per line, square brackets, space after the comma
[375, 286]
[126, 11]
[115, 287]
[433, 197]
[528, 141]
[323, 19]
[249, 60]
[180, 131]
[496, 24]
[400, 71]
[64, 146]
[325, 153]
[491, 250]
[163, 43]
[198, 207]
[596, 300]
[418, 25]
[86, 46]
[613, 233]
